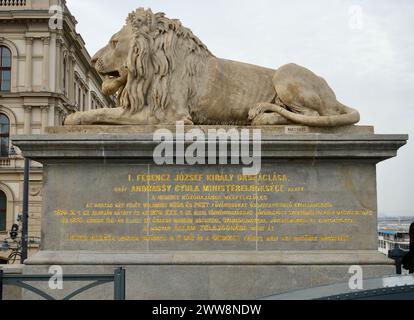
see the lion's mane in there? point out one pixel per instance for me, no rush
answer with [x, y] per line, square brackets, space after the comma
[162, 50]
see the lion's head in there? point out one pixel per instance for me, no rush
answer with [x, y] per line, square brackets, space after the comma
[141, 60]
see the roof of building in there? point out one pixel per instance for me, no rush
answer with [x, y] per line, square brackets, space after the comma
[392, 231]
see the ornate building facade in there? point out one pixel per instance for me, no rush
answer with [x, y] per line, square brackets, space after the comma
[45, 74]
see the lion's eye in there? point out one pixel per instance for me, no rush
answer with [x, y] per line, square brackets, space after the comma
[114, 43]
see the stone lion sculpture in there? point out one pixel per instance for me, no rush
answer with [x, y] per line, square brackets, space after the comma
[161, 73]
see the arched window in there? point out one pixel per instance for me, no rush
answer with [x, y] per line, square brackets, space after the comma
[3, 211]
[5, 69]
[4, 135]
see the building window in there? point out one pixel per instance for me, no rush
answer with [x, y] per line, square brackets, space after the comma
[3, 211]
[64, 75]
[79, 98]
[5, 69]
[4, 135]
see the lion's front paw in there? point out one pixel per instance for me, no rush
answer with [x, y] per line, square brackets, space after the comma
[188, 121]
[74, 119]
[256, 111]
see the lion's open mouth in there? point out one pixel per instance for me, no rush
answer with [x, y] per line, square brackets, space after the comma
[113, 81]
[111, 75]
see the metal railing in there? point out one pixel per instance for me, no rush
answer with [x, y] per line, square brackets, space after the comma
[118, 278]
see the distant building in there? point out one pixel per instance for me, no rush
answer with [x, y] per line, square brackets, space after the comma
[389, 239]
[45, 74]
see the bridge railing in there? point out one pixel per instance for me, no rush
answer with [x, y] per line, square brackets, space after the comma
[94, 280]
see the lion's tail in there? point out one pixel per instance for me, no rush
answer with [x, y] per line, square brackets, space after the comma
[351, 116]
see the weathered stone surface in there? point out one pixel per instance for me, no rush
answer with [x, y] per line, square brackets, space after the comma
[266, 130]
[334, 209]
[322, 196]
[306, 226]
[107, 143]
[318, 257]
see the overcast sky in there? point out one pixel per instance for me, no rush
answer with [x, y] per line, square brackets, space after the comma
[365, 49]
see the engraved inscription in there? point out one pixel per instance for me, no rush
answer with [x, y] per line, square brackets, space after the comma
[208, 209]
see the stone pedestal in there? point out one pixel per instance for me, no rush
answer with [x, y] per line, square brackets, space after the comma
[207, 231]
